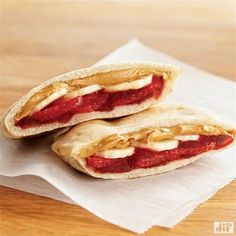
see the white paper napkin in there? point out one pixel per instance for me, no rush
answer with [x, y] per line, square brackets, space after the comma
[135, 204]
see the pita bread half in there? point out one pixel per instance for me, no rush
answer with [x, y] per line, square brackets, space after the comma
[91, 75]
[91, 137]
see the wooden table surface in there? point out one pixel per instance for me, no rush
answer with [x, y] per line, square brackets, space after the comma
[40, 39]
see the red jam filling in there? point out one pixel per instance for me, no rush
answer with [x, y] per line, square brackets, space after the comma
[146, 158]
[62, 110]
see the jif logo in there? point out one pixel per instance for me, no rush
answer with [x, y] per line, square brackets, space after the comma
[224, 227]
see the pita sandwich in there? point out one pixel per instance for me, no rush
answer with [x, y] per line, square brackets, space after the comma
[100, 92]
[154, 141]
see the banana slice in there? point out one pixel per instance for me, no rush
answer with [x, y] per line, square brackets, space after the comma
[84, 91]
[136, 84]
[158, 146]
[187, 137]
[117, 153]
[49, 99]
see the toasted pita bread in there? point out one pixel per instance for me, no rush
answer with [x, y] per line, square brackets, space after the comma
[8, 121]
[73, 147]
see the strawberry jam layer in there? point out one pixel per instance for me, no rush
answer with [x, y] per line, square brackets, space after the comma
[146, 158]
[62, 110]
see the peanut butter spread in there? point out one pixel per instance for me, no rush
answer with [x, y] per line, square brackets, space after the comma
[102, 79]
[147, 135]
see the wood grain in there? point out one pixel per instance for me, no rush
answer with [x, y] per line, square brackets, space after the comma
[40, 39]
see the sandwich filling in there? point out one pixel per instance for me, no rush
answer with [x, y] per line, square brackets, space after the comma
[101, 93]
[158, 153]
